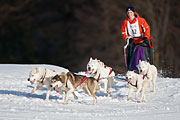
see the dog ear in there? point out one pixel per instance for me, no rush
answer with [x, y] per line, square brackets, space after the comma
[139, 61]
[63, 77]
[96, 60]
[137, 66]
[63, 73]
[37, 70]
[147, 63]
[32, 67]
[90, 59]
[58, 77]
[54, 77]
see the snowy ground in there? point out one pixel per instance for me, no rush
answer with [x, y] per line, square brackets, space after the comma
[16, 102]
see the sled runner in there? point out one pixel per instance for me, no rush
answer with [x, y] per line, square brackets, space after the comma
[135, 52]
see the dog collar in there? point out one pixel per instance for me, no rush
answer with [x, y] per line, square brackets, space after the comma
[98, 77]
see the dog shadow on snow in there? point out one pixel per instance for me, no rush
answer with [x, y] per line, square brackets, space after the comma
[28, 95]
[115, 90]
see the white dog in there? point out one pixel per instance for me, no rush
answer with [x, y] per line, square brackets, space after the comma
[42, 76]
[101, 73]
[137, 82]
[150, 71]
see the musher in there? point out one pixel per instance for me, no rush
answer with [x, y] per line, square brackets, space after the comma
[136, 32]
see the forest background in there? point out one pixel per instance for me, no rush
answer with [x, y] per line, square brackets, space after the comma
[68, 32]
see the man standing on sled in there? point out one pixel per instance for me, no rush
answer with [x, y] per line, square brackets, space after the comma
[136, 33]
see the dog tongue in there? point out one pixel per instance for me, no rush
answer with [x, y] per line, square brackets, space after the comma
[56, 89]
[141, 73]
[88, 72]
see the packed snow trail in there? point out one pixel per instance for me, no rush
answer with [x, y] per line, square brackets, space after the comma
[16, 102]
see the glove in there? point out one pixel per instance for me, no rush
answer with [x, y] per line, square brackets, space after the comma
[145, 40]
[131, 40]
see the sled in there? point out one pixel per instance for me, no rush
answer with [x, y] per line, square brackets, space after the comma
[130, 50]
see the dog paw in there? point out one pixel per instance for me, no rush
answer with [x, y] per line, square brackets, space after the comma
[75, 97]
[46, 99]
[108, 91]
[98, 91]
[152, 90]
[32, 92]
[138, 101]
[128, 99]
[66, 102]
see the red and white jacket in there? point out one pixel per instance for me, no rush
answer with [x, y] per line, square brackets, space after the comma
[136, 28]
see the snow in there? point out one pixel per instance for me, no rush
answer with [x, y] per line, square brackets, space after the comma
[16, 102]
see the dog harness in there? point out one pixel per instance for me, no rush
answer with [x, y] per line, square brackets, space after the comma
[100, 74]
[136, 81]
[83, 79]
[132, 84]
[144, 76]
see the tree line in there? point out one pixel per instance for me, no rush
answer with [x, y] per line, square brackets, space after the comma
[68, 32]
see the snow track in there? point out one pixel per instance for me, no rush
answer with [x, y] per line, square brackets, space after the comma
[16, 102]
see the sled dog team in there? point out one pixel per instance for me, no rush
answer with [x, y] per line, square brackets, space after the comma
[99, 74]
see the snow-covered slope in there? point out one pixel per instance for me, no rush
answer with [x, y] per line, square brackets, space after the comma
[17, 103]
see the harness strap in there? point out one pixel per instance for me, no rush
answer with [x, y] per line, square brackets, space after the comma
[108, 74]
[144, 76]
[110, 71]
[132, 84]
[136, 81]
[98, 77]
[83, 79]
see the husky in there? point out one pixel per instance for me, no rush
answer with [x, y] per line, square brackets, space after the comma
[72, 82]
[136, 82]
[102, 73]
[150, 71]
[42, 76]
[58, 82]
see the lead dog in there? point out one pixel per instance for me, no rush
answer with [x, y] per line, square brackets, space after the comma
[150, 71]
[42, 76]
[136, 82]
[102, 73]
[71, 82]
